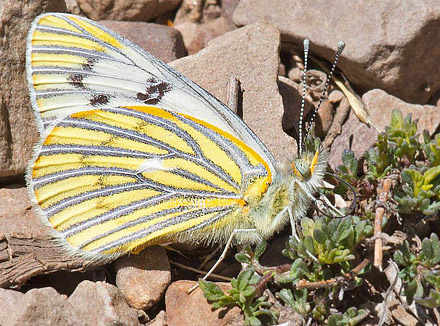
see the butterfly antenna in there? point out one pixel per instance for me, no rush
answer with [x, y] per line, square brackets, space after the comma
[303, 99]
[341, 47]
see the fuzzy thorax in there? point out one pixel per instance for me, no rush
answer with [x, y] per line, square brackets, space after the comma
[288, 189]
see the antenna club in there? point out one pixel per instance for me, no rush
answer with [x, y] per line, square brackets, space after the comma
[306, 43]
[341, 46]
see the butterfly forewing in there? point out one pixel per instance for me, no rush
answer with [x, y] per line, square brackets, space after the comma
[75, 64]
[116, 179]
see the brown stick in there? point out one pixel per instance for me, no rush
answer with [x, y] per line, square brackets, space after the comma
[233, 94]
[23, 256]
[380, 211]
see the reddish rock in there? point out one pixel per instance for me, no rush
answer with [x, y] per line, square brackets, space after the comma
[184, 309]
[18, 132]
[251, 55]
[163, 42]
[9, 301]
[380, 105]
[159, 320]
[196, 36]
[391, 47]
[16, 214]
[143, 278]
[131, 10]
[101, 303]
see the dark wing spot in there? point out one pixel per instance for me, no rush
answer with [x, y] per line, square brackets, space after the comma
[154, 91]
[76, 80]
[89, 65]
[100, 99]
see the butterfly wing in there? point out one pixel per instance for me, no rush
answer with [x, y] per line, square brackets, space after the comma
[114, 180]
[75, 64]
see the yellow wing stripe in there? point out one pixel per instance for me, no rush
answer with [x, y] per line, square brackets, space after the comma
[96, 31]
[114, 179]
[57, 22]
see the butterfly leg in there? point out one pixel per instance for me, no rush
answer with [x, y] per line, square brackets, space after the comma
[223, 255]
[292, 224]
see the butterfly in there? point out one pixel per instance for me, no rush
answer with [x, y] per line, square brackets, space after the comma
[133, 154]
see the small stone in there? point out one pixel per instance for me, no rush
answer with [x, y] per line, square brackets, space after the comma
[103, 304]
[295, 74]
[43, 307]
[335, 96]
[159, 320]
[196, 36]
[380, 106]
[130, 10]
[143, 278]
[324, 118]
[193, 309]
[165, 43]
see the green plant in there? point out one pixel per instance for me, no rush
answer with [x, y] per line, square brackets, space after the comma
[349, 318]
[244, 295]
[402, 134]
[421, 273]
[395, 148]
[420, 191]
[331, 241]
[431, 148]
[296, 299]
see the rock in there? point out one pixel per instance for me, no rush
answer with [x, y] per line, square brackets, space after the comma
[291, 93]
[159, 320]
[163, 42]
[143, 278]
[103, 304]
[43, 307]
[18, 132]
[9, 301]
[228, 7]
[131, 10]
[196, 36]
[193, 309]
[16, 214]
[251, 55]
[197, 11]
[380, 105]
[387, 46]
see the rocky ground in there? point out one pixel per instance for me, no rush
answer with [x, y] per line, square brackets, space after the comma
[391, 60]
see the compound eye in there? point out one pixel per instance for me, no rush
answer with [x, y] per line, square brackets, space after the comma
[302, 167]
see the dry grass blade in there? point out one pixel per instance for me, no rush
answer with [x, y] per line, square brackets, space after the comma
[354, 100]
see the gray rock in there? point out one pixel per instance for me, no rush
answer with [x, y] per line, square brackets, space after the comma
[131, 10]
[389, 46]
[163, 42]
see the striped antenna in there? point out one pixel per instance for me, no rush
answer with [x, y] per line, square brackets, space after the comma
[341, 47]
[301, 113]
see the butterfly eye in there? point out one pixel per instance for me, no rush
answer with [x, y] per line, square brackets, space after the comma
[302, 168]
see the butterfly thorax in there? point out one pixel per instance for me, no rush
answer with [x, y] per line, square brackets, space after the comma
[293, 186]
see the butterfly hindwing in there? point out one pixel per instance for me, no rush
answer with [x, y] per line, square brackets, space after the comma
[116, 179]
[75, 64]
